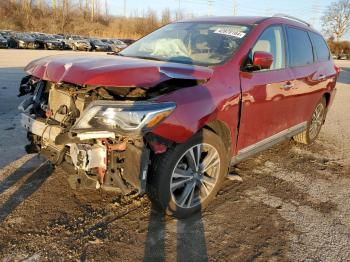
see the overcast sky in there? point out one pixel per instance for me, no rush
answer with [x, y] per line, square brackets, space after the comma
[309, 10]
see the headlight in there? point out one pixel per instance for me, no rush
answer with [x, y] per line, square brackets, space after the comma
[128, 116]
[21, 42]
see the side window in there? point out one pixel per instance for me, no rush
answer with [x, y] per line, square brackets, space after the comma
[272, 41]
[321, 48]
[300, 48]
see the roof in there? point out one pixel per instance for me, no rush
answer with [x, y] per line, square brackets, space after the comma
[250, 20]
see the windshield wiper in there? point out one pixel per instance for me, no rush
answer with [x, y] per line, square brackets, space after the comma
[147, 58]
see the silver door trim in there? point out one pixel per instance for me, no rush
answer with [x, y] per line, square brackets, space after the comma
[268, 142]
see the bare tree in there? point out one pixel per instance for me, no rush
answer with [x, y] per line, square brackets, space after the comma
[336, 20]
[166, 16]
[92, 10]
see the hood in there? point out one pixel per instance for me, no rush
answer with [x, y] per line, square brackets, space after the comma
[113, 71]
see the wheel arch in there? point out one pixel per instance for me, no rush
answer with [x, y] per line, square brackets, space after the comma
[327, 96]
[223, 131]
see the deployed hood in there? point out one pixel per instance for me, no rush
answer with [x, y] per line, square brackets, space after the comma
[113, 71]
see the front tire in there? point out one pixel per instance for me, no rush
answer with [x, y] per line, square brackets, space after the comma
[187, 177]
[314, 125]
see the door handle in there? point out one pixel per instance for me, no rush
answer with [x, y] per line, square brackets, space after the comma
[288, 85]
[321, 77]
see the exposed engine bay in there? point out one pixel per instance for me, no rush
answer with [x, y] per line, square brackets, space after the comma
[95, 133]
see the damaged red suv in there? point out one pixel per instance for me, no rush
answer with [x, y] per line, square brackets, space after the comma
[168, 115]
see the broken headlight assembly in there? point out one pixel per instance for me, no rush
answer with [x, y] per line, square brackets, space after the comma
[127, 116]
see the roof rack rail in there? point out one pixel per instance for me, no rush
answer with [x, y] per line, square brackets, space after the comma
[292, 18]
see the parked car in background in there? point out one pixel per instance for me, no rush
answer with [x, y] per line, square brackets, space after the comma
[22, 40]
[116, 45]
[47, 42]
[76, 42]
[60, 38]
[3, 42]
[169, 114]
[6, 33]
[128, 41]
[98, 45]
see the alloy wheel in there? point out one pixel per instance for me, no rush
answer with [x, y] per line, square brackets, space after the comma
[195, 175]
[316, 121]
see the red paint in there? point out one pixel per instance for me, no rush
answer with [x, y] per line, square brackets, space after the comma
[157, 147]
[112, 71]
[267, 106]
[262, 59]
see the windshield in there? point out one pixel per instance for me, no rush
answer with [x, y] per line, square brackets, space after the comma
[76, 37]
[26, 37]
[190, 43]
[51, 38]
[97, 42]
[118, 42]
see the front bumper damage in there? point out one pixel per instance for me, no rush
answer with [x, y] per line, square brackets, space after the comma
[92, 160]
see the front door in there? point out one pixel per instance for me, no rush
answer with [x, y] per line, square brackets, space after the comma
[267, 95]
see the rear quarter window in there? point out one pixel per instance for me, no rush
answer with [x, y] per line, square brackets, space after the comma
[300, 48]
[321, 48]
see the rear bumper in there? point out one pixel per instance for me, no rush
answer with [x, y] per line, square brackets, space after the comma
[83, 47]
[54, 47]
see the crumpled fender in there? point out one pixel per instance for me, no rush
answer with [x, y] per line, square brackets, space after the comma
[115, 71]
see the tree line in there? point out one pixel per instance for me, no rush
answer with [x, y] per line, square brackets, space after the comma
[83, 17]
[93, 18]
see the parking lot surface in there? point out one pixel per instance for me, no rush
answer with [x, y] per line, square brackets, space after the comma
[292, 205]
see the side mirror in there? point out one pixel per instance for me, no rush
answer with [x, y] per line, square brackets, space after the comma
[262, 60]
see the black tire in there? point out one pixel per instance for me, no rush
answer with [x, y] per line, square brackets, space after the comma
[307, 137]
[163, 165]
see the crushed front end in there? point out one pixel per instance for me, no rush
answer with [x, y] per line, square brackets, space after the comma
[97, 134]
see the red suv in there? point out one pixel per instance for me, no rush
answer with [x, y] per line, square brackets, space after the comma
[169, 114]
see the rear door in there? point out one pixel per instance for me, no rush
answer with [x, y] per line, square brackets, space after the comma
[311, 68]
[267, 95]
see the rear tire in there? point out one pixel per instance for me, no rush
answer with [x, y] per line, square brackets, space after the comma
[314, 124]
[182, 187]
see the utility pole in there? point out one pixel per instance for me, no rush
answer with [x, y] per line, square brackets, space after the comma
[315, 9]
[124, 8]
[234, 7]
[106, 8]
[178, 13]
[210, 7]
